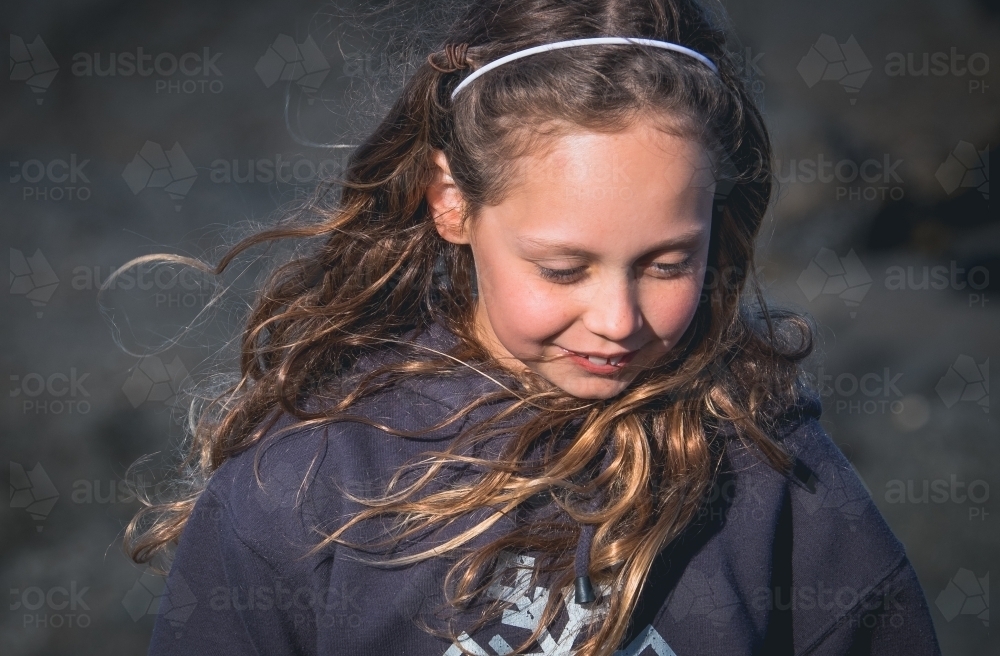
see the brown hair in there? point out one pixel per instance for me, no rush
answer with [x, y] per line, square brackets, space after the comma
[382, 272]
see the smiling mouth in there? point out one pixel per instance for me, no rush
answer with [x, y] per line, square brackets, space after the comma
[597, 364]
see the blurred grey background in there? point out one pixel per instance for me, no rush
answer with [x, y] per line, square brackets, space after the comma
[883, 231]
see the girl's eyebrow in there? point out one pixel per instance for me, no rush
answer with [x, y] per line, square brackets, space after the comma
[683, 240]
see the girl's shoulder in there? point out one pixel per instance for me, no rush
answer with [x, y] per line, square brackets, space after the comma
[278, 489]
[819, 470]
[823, 502]
[275, 492]
[266, 493]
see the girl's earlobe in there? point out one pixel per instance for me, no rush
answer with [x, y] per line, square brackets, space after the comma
[444, 201]
[449, 225]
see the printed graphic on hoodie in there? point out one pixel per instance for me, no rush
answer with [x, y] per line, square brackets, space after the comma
[527, 610]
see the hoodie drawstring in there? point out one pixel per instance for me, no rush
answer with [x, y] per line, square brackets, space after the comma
[584, 587]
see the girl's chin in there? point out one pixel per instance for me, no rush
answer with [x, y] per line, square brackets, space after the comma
[595, 394]
[588, 386]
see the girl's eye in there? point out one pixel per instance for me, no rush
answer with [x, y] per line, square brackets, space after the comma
[560, 275]
[660, 270]
[670, 270]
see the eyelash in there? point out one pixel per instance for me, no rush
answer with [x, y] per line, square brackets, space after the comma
[566, 275]
[558, 275]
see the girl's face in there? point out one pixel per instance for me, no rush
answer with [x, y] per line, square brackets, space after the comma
[598, 252]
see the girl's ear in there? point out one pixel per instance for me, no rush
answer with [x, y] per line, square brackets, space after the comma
[445, 202]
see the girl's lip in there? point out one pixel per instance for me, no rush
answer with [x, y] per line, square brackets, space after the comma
[586, 364]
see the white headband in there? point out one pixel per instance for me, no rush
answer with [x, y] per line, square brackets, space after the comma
[584, 42]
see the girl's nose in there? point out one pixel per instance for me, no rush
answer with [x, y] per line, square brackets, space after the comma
[613, 310]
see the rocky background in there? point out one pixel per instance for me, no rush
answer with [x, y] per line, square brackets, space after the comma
[883, 232]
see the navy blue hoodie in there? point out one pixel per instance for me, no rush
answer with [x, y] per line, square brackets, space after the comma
[797, 564]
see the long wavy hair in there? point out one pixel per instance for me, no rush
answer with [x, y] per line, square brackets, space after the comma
[379, 271]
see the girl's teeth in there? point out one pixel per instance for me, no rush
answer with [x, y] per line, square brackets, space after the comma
[604, 361]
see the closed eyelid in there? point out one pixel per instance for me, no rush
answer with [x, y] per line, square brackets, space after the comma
[685, 257]
[578, 273]
[563, 269]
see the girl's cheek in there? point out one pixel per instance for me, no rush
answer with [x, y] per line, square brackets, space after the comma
[540, 302]
[517, 295]
[538, 306]
[672, 312]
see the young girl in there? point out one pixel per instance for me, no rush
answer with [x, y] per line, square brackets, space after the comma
[523, 396]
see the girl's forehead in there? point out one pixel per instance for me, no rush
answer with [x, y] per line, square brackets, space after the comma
[641, 162]
[590, 155]
[609, 193]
